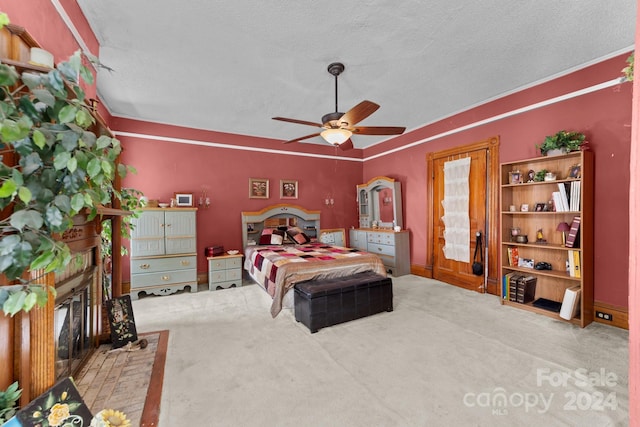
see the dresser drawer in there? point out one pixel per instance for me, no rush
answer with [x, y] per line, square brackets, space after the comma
[381, 249]
[225, 275]
[163, 278]
[381, 238]
[216, 264]
[152, 265]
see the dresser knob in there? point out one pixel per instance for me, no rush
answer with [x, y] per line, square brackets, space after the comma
[185, 262]
[165, 277]
[144, 266]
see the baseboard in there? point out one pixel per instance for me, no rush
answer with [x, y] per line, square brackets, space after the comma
[619, 315]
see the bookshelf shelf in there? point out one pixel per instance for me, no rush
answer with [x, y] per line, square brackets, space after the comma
[549, 284]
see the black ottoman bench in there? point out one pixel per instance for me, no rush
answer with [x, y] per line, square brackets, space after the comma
[324, 302]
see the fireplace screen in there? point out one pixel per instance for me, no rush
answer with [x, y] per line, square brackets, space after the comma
[73, 320]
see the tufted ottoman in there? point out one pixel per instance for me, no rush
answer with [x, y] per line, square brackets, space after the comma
[325, 302]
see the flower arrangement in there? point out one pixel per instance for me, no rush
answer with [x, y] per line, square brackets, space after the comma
[110, 418]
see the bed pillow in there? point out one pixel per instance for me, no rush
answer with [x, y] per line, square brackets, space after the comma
[277, 237]
[298, 236]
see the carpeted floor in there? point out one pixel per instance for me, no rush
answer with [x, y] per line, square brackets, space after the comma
[443, 357]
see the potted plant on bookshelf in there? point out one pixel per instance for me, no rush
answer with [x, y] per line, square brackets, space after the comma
[562, 142]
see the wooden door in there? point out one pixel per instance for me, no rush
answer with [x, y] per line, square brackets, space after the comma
[483, 199]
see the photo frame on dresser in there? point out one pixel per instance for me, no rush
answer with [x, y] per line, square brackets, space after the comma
[184, 200]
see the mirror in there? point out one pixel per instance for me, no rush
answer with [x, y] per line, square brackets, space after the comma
[380, 203]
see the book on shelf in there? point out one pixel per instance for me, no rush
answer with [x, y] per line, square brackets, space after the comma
[512, 256]
[573, 238]
[526, 289]
[574, 205]
[576, 264]
[513, 286]
[557, 201]
[570, 303]
[571, 261]
[505, 284]
[564, 199]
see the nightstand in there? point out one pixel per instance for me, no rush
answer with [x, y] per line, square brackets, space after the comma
[225, 271]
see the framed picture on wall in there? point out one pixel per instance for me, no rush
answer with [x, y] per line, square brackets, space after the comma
[258, 188]
[288, 189]
[184, 200]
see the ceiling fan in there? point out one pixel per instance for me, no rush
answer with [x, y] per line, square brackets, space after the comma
[338, 127]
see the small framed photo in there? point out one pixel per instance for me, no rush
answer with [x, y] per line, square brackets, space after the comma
[525, 262]
[184, 200]
[288, 189]
[258, 188]
[574, 172]
[540, 207]
[515, 177]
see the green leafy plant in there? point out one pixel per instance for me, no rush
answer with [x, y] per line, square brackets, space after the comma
[539, 177]
[562, 140]
[9, 402]
[64, 169]
[628, 70]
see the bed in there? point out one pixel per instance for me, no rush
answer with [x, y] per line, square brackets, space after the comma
[277, 265]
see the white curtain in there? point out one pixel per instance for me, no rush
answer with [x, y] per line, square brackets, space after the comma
[456, 210]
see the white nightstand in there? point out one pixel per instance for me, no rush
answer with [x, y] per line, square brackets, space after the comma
[225, 271]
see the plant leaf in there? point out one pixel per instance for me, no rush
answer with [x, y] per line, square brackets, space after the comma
[24, 218]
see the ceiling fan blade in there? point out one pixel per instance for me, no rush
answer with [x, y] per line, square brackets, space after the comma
[378, 130]
[300, 122]
[359, 113]
[303, 138]
[347, 145]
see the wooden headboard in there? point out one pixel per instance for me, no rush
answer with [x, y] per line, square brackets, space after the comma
[278, 215]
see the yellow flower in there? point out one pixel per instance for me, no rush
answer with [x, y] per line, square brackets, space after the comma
[59, 413]
[115, 418]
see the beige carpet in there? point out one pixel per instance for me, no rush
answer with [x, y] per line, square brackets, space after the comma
[443, 357]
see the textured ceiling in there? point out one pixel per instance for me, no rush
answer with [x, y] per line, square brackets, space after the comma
[232, 65]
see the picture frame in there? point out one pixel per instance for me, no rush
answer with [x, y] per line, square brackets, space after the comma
[183, 200]
[288, 189]
[574, 172]
[258, 188]
[540, 207]
[515, 177]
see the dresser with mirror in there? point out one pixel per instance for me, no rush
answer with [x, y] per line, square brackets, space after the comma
[380, 224]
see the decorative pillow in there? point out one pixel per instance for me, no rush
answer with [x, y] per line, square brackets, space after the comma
[301, 238]
[298, 236]
[267, 231]
[265, 239]
[277, 237]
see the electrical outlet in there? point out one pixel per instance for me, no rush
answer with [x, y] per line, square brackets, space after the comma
[604, 316]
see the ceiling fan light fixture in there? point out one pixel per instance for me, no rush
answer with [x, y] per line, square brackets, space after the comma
[336, 136]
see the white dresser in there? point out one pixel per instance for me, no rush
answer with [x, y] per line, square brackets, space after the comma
[225, 271]
[163, 251]
[391, 246]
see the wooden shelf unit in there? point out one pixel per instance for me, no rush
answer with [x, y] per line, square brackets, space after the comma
[551, 284]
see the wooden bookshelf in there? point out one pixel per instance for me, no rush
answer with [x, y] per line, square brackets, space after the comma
[550, 284]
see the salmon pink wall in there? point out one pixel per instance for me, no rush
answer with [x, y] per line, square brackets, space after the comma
[43, 22]
[190, 164]
[604, 116]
